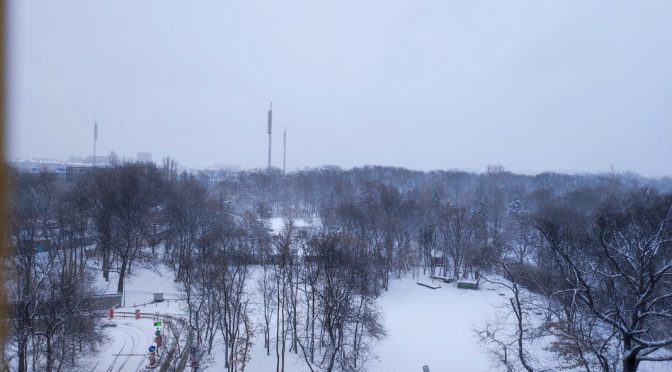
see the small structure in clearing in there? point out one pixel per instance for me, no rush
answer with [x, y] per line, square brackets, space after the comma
[467, 284]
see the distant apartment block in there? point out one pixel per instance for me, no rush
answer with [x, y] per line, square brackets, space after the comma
[144, 157]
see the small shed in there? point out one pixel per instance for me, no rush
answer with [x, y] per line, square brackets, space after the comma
[158, 296]
[467, 284]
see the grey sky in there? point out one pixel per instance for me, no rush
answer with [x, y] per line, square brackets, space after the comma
[435, 84]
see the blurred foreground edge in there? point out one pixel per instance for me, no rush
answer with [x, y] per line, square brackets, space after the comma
[4, 222]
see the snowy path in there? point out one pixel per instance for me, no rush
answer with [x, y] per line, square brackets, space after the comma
[127, 349]
[140, 341]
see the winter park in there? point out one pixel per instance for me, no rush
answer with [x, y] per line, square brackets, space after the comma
[385, 186]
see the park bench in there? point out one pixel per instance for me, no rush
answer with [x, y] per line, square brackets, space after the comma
[429, 285]
[443, 279]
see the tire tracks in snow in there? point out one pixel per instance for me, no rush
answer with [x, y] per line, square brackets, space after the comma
[132, 346]
[145, 332]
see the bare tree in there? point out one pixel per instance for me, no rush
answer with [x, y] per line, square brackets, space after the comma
[49, 290]
[184, 217]
[130, 206]
[345, 294]
[460, 236]
[31, 204]
[620, 270]
[511, 347]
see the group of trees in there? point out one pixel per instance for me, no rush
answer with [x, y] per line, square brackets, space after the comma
[211, 256]
[316, 297]
[64, 233]
[599, 276]
[51, 318]
[590, 253]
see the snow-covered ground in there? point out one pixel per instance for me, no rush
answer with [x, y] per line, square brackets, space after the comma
[433, 327]
[424, 327]
[126, 335]
[142, 284]
[278, 223]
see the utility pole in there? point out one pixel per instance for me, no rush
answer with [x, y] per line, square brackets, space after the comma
[95, 138]
[270, 124]
[284, 151]
[284, 163]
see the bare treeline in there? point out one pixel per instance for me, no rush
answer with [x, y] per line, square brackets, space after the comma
[593, 251]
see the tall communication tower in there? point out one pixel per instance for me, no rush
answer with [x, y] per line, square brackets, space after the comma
[270, 125]
[284, 150]
[95, 138]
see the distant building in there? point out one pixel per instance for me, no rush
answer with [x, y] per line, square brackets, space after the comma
[144, 157]
[98, 161]
[40, 165]
[226, 168]
[216, 173]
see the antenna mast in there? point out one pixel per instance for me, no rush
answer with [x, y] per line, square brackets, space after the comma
[284, 151]
[95, 138]
[270, 124]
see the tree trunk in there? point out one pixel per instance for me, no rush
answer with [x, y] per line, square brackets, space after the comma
[630, 363]
[50, 356]
[456, 268]
[23, 363]
[312, 325]
[277, 326]
[106, 264]
[122, 274]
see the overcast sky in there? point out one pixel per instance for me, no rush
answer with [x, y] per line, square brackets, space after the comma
[434, 84]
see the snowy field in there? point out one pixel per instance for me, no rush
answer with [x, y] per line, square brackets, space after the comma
[433, 328]
[424, 327]
[278, 223]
